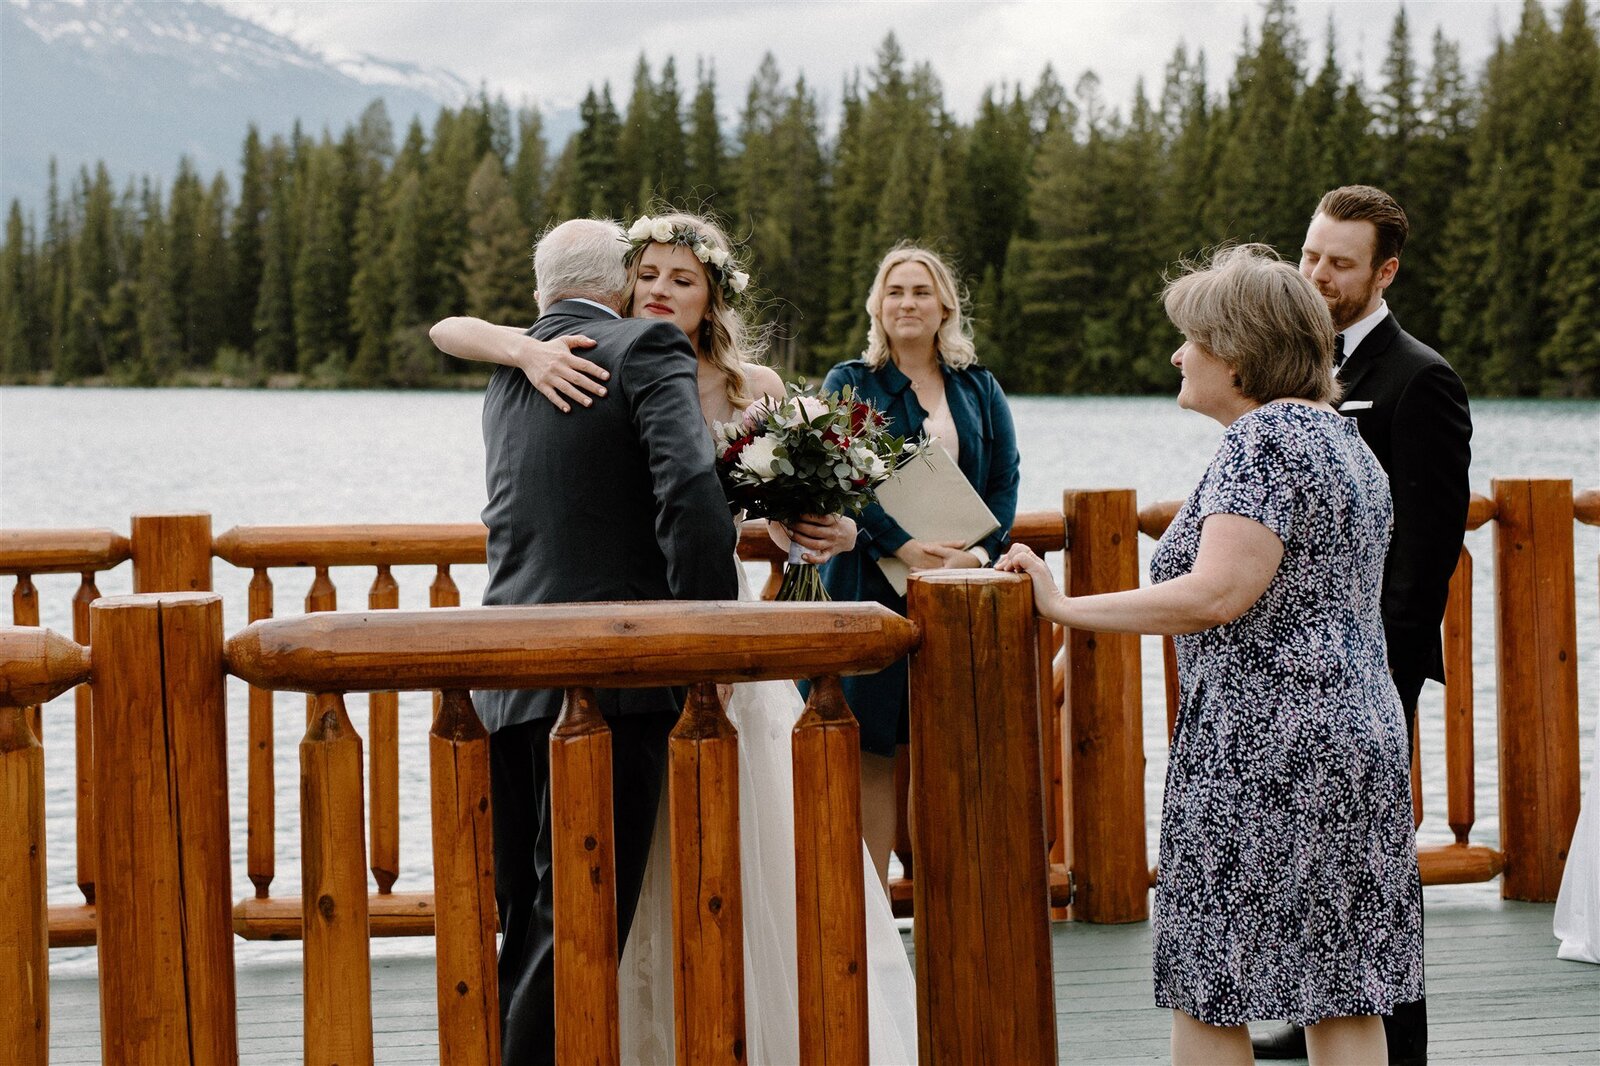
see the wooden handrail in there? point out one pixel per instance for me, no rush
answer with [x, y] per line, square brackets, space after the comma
[1154, 518]
[37, 665]
[61, 551]
[1586, 507]
[256, 547]
[634, 645]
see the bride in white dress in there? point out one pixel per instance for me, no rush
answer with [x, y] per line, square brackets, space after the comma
[682, 269]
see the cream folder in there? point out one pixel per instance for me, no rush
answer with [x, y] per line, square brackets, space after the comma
[932, 500]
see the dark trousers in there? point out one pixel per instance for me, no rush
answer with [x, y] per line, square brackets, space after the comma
[519, 766]
[1407, 1028]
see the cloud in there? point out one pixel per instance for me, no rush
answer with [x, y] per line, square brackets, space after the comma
[550, 53]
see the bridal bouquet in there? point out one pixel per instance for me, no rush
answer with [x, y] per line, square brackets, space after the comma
[807, 454]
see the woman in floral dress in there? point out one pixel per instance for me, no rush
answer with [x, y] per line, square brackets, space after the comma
[1288, 882]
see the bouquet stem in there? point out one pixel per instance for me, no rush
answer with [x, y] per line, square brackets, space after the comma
[802, 581]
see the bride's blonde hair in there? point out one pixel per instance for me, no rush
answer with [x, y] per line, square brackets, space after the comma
[726, 339]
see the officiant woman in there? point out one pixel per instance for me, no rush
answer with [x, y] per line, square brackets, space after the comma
[920, 370]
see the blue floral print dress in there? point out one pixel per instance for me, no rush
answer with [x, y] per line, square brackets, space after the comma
[1288, 884]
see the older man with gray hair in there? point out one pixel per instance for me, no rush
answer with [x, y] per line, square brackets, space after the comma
[615, 501]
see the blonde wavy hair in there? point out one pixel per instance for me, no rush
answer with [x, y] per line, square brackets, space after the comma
[726, 340]
[952, 345]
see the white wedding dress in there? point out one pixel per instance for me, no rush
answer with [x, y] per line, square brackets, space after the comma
[764, 713]
[1577, 919]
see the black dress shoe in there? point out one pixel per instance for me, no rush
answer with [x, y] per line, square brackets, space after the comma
[1284, 1042]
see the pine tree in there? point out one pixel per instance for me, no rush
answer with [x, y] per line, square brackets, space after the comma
[273, 325]
[669, 146]
[496, 275]
[246, 243]
[320, 286]
[706, 154]
[528, 187]
[182, 226]
[21, 345]
[1257, 197]
[1570, 353]
[1495, 317]
[999, 156]
[1396, 111]
[211, 285]
[635, 158]
[160, 342]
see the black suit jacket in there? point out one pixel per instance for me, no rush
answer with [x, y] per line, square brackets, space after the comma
[1412, 411]
[618, 501]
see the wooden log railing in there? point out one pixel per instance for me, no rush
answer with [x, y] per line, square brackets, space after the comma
[40, 665]
[25, 553]
[978, 820]
[1536, 659]
[1099, 740]
[262, 549]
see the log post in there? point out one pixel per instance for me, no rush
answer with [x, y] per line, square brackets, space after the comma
[707, 914]
[985, 987]
[25, 918]
[463, 886]
[261, 795]
[1537, 662]
[83, 738]
[383, 757]
[1104, 718]
[171, 552]
[25, 612]
[1461, 804]
[333, 890]
[830, 877]
[37, 665]
[164, 878]
[583, 860]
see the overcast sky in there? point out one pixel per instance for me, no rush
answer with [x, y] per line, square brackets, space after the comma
[551, 52]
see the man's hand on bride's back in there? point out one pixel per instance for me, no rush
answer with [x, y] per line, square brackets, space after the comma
[560, 374]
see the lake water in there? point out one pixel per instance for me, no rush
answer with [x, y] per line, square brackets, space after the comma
[93, 457]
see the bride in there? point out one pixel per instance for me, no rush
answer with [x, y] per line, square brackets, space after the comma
[682, 269]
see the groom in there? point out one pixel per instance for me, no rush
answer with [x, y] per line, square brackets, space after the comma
[618, 501]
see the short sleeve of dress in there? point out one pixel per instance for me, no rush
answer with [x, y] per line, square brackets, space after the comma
[1254, 476]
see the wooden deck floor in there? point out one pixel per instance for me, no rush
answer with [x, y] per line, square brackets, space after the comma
[1496, 992]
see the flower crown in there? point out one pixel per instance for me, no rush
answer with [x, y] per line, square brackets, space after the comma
[719, 263]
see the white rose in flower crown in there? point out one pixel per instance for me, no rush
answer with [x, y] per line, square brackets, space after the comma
[739, 280]
[640, 230]
[719, 256]
[702, 252]
[661, 231]
[760, 458]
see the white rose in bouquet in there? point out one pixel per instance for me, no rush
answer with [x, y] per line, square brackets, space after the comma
[805, 408]
[661, 231]
[640, 230]
[760, 458]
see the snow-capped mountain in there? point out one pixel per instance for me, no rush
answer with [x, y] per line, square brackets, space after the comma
[137, 84]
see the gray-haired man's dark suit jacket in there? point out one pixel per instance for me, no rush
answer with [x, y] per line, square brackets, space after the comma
[618, 501]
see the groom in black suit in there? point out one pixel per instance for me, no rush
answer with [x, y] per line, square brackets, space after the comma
[616, 501]
[1411, 409]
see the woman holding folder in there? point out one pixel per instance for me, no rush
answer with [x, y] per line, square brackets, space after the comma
[921, 372]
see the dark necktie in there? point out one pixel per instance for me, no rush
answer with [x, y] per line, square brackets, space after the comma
[1338, 350]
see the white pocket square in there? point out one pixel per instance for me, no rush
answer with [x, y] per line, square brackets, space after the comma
[1355, 405]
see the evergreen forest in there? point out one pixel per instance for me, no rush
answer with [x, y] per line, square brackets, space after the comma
[324, 259]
